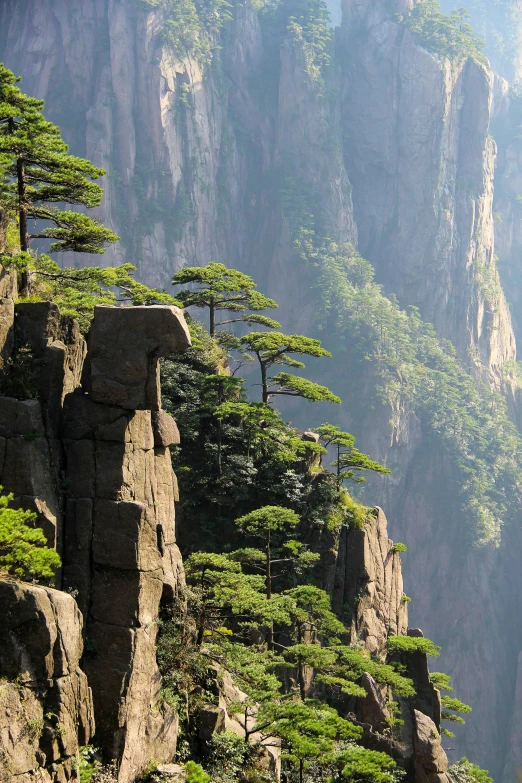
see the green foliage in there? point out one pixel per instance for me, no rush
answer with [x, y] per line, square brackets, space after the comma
[441, 681]
[309, 30]
[87, 764]
[308, 730]
[451, 706]
[365, 766]
[77, 291]
[413, 370]
[350, 461]
[451, 36]
[268, 518]
[226, 757]
[191, 28]
[223, 289]
[399, 547]
[23, 547]
[356, 662]
[464, 771]
[39, 174]
[275, 348]
[196, 773]
[412, 644]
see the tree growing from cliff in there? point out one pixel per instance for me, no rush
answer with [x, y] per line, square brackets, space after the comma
[275, 348]
[42, 175]
[350, 461]
[222, 289]
[23, 547]
[265, 523]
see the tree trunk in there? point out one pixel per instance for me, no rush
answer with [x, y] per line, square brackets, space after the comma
[301, 771]
[270, 639]
[22, 214]
[220, 400]
[212, 319]
[264, 383]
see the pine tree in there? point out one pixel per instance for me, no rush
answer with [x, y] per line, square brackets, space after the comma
[23, 547]
[350, 461]
[274, 348]
[41, 175]
[223, 289]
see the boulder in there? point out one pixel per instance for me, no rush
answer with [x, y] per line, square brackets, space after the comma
[427, 747]
[124, 347]
[47, 709]
[372, 708]
[166, 431]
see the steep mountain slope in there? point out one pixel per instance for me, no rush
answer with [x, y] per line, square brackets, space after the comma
[291, 136]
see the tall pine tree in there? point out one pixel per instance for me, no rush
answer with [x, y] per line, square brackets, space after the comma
[41, 176]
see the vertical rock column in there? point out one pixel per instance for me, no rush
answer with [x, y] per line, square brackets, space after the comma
[120, 550]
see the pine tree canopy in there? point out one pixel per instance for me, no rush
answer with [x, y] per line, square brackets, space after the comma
[38, 173]
[224, 289]
[23, 547]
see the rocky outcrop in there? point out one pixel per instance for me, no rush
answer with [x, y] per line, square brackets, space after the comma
[46, 703]
[365, 581]
[101, 478]
[395, 157]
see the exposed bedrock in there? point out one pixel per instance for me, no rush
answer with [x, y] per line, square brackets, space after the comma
[101, 478]
[46, 708]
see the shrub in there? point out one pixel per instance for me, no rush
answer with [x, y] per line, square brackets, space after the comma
[23, 547]
[196, 773]
[412, 644]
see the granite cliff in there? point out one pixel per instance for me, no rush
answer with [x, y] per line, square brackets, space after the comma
[383, 144]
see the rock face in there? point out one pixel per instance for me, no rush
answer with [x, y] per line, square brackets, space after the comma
[396, 158]
[46, 703]
[101, 478]
[363, 574]
[369, 569]
[131, 338]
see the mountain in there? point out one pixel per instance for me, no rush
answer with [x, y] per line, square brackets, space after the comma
[278, 152]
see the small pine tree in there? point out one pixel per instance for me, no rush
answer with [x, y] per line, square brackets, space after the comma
[274, 348]
[23, 547]
[350, 461]
[223, 289]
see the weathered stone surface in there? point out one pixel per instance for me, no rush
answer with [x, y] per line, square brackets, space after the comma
[125, 345]
[125, 536]
[27, 472]
[172, 770]
[6, 330]
[372, 709]
[8, 286]
[166, 431]
[133, 724]
[212, 721]
[48, 714]
[367, 578]
[82, 417]
[427, 697]
[428, 750]
[124, 597]
[81, 468]
[20, 417]
[58, 351]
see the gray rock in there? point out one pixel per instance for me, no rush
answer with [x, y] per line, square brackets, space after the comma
[166, 431]
[211, 721]
[372, 709]
[428, 750]
[40, 647]
[125, 345]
